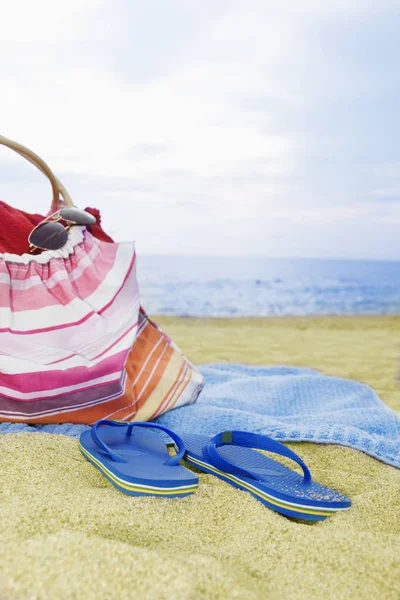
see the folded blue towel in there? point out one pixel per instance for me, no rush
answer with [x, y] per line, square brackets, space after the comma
[288, 404]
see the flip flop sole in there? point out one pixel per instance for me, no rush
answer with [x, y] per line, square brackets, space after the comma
[136, 489]
[290, 509]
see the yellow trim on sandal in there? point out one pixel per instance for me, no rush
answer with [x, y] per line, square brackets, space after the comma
[282, 504]
[159, 491]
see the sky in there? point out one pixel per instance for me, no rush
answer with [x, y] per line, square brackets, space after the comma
[205, 127]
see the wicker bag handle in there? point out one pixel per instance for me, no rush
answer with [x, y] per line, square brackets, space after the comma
[56, 185]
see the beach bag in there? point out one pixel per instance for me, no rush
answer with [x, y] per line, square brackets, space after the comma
[75, 344]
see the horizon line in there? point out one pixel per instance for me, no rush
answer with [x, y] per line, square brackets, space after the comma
[260, 256]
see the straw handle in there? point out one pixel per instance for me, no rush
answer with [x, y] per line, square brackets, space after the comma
[57, 187]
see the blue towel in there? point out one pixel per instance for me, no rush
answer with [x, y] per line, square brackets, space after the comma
[288, 404]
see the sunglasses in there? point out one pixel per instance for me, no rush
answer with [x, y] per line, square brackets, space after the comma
[50, 234]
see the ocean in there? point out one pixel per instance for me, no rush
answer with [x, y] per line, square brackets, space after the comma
[256, 287]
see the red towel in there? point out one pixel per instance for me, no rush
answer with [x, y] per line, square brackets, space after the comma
[16, 225]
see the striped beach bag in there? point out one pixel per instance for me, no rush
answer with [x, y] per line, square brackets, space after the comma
[75, 344]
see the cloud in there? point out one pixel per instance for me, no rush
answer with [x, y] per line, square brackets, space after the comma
[205, 127]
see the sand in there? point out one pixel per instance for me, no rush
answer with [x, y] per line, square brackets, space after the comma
[67, 533]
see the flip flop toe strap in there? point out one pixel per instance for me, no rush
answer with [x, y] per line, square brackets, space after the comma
[171, 461]
[247, 440]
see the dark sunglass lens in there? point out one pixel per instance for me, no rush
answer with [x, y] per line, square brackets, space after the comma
[49, 236]
[78, 216]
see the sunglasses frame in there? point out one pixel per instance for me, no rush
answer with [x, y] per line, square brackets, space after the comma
[50, 219]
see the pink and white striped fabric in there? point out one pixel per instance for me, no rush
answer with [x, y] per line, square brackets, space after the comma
[75, 346]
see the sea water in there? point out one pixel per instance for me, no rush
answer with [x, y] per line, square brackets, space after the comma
[248, 286]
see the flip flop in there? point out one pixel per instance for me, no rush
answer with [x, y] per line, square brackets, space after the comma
[230, 457]
[135, 459]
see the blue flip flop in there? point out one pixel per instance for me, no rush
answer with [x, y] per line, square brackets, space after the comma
[135, 459]
[230, 457]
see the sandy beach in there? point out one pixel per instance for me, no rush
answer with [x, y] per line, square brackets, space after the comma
[366, 349]
[67, 533]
